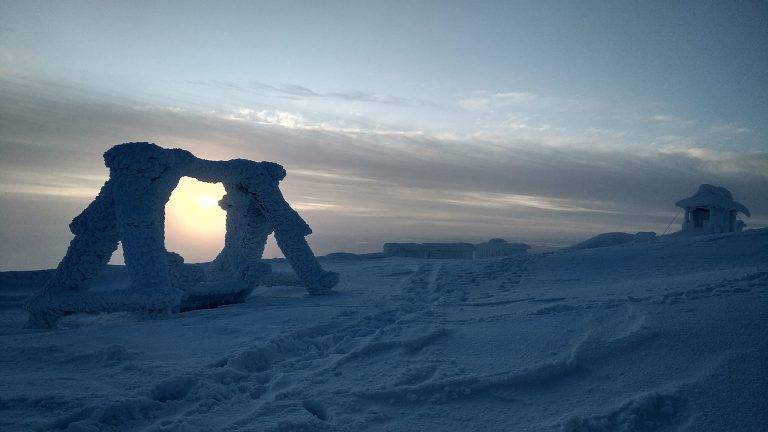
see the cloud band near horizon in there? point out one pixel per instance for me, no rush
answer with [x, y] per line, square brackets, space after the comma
[360, 185]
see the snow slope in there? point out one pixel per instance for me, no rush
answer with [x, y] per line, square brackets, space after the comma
[668, 335]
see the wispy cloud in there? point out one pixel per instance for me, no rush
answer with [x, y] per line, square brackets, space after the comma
[670, 119]
[297, 121]
[501, 116]
[499, 200]
[727, 130]
[297, 92]
[485, 101]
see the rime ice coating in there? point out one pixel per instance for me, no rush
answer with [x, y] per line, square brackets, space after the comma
[711, 210]
[130, 208]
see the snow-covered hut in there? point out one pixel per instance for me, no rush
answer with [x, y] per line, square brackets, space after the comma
[408, 250]
[450, 250]
[712, 210]
[499, 247]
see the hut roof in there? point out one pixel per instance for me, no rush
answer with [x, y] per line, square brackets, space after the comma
[709, 196]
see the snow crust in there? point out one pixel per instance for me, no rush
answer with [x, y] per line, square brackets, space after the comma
[130, 208]
[665, 335]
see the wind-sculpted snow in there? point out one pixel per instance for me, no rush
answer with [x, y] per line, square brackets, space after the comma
[584, 354]
[653, 412]
[658, 336]
[130, 209]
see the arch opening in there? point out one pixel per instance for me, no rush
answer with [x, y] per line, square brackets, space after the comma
[195, 225]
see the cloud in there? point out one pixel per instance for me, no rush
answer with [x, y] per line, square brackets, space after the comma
[298, 92]
[501, 116]
[280, 118]
[500, 200]
[475, 103]
[485, 101]
[722, 162]
[727, 130]
[670, 119]
[56, 184]
[371, 97]
[363, 185]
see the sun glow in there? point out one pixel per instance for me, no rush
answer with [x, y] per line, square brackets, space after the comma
[194, 223]
[206, 201]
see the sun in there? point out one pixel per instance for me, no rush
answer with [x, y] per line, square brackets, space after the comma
[195, 204]
[206, 201]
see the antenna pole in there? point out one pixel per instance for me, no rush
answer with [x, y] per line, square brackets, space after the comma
[671, 222]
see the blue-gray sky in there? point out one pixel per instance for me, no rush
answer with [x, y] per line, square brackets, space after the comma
[537, 121]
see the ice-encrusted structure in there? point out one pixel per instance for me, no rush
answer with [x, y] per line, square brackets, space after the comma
[712, 210]
[130, 208]
[430, 250]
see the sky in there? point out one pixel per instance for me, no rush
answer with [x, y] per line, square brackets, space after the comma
[543, 122]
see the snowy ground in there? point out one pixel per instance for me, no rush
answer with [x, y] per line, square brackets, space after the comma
[660, 336]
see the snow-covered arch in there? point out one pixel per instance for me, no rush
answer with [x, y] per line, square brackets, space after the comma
[130, 208]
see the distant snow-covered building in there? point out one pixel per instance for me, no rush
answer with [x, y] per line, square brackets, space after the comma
[499, 247]
[712, 210]
[407, 250]
[450, 250]
[430, 250]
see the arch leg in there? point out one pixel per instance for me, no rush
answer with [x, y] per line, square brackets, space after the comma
[96, 239]
[143, 179]
[290, 231]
